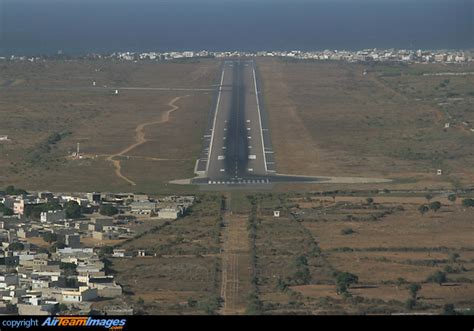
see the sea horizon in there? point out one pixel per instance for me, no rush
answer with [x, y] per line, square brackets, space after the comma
[76, 27]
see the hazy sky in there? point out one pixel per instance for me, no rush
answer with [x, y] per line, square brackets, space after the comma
[78, 25]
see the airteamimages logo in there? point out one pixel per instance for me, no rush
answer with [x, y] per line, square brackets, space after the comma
[84, 321]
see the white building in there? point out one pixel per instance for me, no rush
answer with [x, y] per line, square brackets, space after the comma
[82, 294]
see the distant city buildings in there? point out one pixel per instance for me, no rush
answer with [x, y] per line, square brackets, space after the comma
[365, 55]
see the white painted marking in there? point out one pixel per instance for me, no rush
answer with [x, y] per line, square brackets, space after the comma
[248, 121]
[250, 169]
[248, 129]
[250, 146]
[222, 170]
[252, 157]
[250, 137]
[215, 118]
[220, 157]
[259, 118]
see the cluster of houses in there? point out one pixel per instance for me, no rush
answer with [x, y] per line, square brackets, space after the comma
[366, 55]
[381, 55]
[66, 275]
[33, 282]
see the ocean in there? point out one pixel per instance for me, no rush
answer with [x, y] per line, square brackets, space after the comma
[84, 26]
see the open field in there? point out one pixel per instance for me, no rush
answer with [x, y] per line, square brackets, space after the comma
[182, 272]
[328, 118]
[386, 243]
[387, 123]
[53, 106]
[245, 260]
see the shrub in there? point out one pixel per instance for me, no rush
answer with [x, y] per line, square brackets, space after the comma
[347, 231]
[108, 210]
[410, 304]
[438, 277]
[468, 203]
[413, 289]
[435, 206]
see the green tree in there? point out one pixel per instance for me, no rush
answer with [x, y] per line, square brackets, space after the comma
[410, 303]
[438, 277]
[468, 203]
[192, 302]
[11, 190]
[34, 211]
[423, 209]
[68, 268]
[5, 210]
[428, 196]
[50, 237]
[453, 256]
[452, 198]
[449, 309]
[413, 289]
[73, 210]
[108, 210]
[105, 250]
[344, 280]
[254, 305]
[400, 281]
[16, 246]
[435, 206]
[347, 231]
[62, 307]
[281, 285]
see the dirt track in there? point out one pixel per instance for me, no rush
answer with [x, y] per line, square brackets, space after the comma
[140, 138]
[235, 286]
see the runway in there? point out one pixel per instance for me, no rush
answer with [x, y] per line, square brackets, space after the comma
[234, 144]
[237, 149]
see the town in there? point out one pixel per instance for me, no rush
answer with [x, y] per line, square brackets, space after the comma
[365, 55]
[53, 247]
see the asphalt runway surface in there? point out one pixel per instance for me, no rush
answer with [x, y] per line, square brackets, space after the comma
[237, 149]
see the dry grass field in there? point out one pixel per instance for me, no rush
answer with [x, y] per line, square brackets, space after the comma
[246, 261]
[386, 243]
[328, 118]
[42, 99]
[181, 275]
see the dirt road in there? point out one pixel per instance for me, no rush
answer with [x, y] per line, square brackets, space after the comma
[236, 267]
[140, 138]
